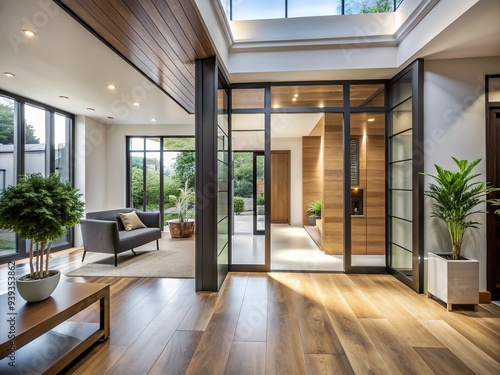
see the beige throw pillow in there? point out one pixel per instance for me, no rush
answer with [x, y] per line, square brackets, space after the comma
[131, 221]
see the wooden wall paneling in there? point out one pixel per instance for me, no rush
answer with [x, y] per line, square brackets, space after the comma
[280, 187]
[375, 195]
[161, 38]
[106, 21]
[312, 173]
[333, 201]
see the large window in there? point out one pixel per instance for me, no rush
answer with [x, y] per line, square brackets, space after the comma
[157, 168]
[34, 138]
[268, 9]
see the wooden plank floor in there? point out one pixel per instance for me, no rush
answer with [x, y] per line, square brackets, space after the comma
[283, 323]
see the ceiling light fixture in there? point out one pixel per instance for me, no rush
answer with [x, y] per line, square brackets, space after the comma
[294, 99]
[153, 120]
[296, 96]
[29, 33]
[111, 118]
[371, 120]
[136, 104]
[111, 87]
[63, 97]
[9, 74]
[90, 109]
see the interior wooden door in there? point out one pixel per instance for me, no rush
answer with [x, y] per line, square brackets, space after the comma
[280, 187]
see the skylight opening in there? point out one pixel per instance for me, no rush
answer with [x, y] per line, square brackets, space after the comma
[237, 10]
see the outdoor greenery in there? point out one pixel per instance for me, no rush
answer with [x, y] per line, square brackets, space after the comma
[243, 174]
[314, 208]
[239, 205]
[261, 200]
[455, 197]
[40, 209]
[7, 126]
[380, 6]
[183, 170]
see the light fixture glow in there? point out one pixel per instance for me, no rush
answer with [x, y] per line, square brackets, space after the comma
[90, 109]
[153, 120]
[9, 74]
[296, 96]
[294, 99]
[371, 120]
[111, 87]
[321, 106]
[63, 97]
[136, 104]
[29, 33]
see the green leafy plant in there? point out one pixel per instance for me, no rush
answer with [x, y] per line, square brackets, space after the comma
[455, 197]
[261, 200]
[380, 6]
[40, 209]
[239, 205]
[184, 202]
[314, 208]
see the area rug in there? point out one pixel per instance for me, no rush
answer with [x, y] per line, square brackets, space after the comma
[175, 259]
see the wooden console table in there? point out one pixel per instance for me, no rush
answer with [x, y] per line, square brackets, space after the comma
[45, 341]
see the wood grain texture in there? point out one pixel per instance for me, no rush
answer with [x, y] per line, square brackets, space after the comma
[326, 364]
[381, 325]
[280, 187]
[471, 355]
[161, 38]
[333, 199]
[312, 173]
[246, 358]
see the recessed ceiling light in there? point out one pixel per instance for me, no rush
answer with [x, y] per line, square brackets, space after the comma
[9, 74]
[29, 33]
[371, 120]
[153, 120]
[136, 104]
[90, 109]
[111, 118]
[63, 97]
[111, 87]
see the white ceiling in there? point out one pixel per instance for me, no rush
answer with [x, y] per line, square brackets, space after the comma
[66, 59]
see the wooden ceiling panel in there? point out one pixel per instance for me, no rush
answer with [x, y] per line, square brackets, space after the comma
[161, 38]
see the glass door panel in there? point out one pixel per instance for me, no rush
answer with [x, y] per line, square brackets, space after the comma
[259, 197]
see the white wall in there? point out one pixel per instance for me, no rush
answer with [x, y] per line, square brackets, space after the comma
[454, 125]
[295, 147]
[90, 165]
[115, 156]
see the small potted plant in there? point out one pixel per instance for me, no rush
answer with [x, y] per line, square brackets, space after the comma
[452, 278]
[183, 226]
[314, 211]
[41, 210]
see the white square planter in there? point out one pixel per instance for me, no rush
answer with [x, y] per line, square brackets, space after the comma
[453, 281]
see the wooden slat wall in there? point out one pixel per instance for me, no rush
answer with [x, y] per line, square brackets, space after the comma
[161, 38]
[312, 173]
[333, 202]
[280, 187]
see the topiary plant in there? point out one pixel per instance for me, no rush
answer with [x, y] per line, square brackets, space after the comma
[41, 210]
[239, 205]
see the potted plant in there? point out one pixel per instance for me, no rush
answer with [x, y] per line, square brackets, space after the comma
[314, 211]
[451, 277]
[183, 226]
[41, 210]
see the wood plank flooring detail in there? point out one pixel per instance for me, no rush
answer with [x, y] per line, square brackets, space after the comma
[283, 323]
